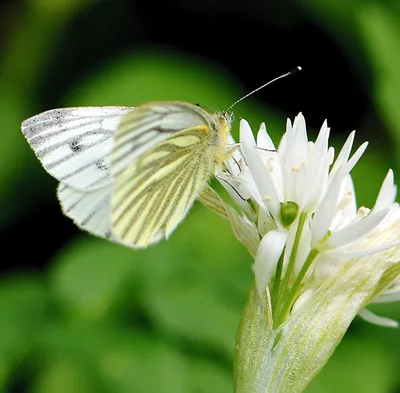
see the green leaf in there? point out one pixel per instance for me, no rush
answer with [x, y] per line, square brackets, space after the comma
[108, 358]
[195, 293]
[379, 26]
[208, 376]
[25, 310]
[359, 364]
[90, 276]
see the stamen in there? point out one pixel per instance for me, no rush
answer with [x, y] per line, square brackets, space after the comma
[363, 211]
[270, 164]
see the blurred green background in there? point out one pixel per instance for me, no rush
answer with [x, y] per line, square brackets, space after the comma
[79, 314]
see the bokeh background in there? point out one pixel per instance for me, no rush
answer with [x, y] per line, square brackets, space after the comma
[79, 314]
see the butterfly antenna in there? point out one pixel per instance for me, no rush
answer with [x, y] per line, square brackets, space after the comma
[291, 72]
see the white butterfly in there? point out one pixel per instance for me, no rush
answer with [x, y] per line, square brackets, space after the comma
[129, 174]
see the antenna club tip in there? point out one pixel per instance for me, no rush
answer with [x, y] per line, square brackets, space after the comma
[295, 69]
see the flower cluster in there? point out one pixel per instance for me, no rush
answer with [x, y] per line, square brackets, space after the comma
[319, 260]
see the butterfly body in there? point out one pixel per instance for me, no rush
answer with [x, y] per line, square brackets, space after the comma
[130, 174]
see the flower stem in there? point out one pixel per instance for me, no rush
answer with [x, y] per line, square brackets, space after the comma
[277, 281]
[296, 286]
[292, 259]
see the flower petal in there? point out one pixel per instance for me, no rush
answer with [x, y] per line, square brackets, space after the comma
[268, 254]
[376, 319]
[263, 139]
[262, 179]
[387, 193]
[344, 153]
[355, 231]
[326, 210]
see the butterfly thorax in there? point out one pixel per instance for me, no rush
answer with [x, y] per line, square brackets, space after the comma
[222, 123]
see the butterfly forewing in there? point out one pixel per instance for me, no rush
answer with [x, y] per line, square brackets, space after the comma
[74, 144]
[153, 193]
[152, 123]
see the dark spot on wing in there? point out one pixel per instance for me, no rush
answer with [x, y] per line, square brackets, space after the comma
[100, 164]
[75, 145]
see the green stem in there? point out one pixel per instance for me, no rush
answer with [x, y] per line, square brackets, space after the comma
[277, 281]
[285, 283]
[296, 286]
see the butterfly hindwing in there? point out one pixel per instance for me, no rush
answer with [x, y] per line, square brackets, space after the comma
[90, 210]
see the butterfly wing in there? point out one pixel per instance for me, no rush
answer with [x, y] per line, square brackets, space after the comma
[150, 124]
[74, 144]
[161, 162]
[90, 210]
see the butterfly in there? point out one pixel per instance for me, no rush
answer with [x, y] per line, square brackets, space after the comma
[130, 174]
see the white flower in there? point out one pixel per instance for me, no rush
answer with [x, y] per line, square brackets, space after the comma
[318, 259]
[300, 184]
